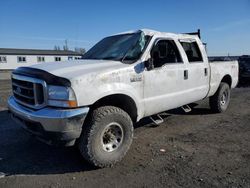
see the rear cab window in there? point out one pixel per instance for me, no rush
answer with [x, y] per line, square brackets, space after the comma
[192, 51]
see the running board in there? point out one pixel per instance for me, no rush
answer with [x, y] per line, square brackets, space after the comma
[186, 108]
[157, 121]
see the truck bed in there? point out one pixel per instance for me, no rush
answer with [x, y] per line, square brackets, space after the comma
[219, 68]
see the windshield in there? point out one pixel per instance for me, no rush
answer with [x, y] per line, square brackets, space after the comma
[125, 47]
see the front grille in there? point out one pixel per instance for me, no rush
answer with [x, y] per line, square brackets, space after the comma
[29, 91]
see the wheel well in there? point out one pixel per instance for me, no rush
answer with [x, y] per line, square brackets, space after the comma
[227, 79]
[122, 101]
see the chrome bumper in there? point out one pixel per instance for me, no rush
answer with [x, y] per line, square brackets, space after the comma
[50, 124]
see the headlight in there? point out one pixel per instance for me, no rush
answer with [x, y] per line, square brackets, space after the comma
[61, 96]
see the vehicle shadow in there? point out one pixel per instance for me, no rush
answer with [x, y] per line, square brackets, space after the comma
[21, 153]
[196, 110]
[243, 83]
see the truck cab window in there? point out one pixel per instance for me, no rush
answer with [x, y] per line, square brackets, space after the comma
[192, 51]
[165, 51]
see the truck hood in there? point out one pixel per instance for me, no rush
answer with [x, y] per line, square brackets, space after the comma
[74, 69]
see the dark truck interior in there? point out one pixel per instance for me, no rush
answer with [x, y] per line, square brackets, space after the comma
[165, 51]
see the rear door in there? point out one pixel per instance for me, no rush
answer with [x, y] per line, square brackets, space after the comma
[198, 70]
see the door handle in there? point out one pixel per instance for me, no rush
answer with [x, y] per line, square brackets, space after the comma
[185, 74]
[205, 71]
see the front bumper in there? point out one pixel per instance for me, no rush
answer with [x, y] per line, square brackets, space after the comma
[52, 125]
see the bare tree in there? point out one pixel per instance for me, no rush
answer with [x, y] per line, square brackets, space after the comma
[65, 47]
[56, 47]
[80, 50]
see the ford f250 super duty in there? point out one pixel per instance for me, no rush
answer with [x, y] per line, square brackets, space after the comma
[94, 102]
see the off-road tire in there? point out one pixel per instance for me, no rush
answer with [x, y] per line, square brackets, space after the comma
[215, 101]
[91, 143]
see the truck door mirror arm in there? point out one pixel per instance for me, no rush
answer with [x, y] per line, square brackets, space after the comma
[149, 64]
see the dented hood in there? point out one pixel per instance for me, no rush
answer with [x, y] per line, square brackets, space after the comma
[77, 69]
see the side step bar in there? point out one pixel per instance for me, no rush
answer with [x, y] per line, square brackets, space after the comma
[157, 121]
[186, 108]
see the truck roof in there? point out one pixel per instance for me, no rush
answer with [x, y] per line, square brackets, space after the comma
[158, 33]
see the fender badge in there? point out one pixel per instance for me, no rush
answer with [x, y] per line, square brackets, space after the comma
[136, 78]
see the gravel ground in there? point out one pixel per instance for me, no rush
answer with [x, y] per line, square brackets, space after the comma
[197, 149]
[5, 74]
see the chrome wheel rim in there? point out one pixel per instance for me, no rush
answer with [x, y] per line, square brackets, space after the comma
[112, 137]
[224, 98]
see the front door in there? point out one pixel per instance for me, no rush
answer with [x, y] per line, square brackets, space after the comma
[164, 85]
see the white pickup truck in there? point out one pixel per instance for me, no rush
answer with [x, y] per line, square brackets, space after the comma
[95, 102]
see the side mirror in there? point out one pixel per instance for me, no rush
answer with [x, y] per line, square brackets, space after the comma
[149, 64]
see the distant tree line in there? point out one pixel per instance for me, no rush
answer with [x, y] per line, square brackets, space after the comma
[65, 48]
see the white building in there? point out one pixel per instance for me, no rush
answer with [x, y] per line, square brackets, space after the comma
[13, 58]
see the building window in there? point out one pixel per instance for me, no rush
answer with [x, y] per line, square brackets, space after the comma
[77, 58]
[3, 59]
[70, 58]
[57, 58]
[21, 59]
[40, 59]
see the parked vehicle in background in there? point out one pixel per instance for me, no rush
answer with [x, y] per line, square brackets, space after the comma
[223, 58]
[244, 69]
[95, 102]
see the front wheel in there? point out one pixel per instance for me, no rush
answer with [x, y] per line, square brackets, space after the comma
[106, 136]
[220, 100]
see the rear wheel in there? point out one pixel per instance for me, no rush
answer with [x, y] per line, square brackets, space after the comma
[106, 136]
[220, 100]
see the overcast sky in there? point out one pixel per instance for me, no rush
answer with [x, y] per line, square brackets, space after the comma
[225, 24]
